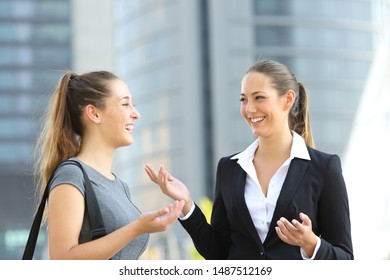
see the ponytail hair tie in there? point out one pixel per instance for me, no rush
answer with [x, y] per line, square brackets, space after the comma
[74, 77]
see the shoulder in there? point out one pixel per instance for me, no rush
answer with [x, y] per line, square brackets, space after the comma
[227, 164]
[70, 165]
[68, 173]
[323, 160]
[228, 159]
[68, 169]
[318, 155]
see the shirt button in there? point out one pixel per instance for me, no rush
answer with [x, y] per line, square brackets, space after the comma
[261, 252]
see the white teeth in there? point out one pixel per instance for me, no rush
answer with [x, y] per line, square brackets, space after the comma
[255, 120]
[129, 127]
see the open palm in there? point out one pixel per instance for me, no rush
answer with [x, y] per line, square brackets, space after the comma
[169, 185]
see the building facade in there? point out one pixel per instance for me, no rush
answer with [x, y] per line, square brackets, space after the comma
[159, 55]
[365, 166]
[35, 43]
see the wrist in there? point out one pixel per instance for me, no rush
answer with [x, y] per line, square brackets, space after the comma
[310, 246]
[136, 228]
[187, 206]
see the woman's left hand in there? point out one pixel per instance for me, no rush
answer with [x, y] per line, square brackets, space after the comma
[298, 233]
[159, 220]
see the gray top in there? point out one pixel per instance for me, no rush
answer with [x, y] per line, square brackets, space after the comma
[114, 201]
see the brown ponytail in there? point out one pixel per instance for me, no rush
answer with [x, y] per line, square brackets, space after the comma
[63, 128]
[299, 118]
[56, 142]
[283, 79]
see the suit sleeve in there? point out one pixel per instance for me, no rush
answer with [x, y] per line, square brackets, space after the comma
[211, 240]
[333, 215]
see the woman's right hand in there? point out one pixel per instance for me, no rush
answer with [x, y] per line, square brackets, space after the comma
[170, 186]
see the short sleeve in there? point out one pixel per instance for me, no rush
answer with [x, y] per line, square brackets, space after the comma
[68, 174]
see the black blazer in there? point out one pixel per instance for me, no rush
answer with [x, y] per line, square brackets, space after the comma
[315, 187]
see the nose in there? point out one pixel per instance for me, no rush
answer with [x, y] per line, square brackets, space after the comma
[250, 108]
[135, 114]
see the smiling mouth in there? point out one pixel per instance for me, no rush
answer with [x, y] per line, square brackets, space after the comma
[129, 127]
[256, 120]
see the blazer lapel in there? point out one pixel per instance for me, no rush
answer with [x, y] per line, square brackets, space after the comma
[239, 187]
[293, 180]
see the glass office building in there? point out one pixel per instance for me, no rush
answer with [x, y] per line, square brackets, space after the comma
[329, 45]
[365, 158]
[35, 45]
[159, 55]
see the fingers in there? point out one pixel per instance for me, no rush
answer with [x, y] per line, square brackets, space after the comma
[151, 173]
[161, 173]
[281, 235]
[159, 178]
[178, 207]
[169, 177]
[173, 212]
[289, 233]
[159, 220]
[160, 212]
[305, 219]
[294, 226]
[287, 228]
[164, 176]
[295, 232]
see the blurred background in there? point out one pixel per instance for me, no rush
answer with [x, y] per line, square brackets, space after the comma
[183, 61]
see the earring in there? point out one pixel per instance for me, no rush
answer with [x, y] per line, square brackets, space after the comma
[98, 120]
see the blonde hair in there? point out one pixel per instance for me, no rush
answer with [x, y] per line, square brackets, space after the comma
[283, 79]
[63, 128]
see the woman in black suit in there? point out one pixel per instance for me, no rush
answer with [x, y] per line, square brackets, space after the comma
[279, 198]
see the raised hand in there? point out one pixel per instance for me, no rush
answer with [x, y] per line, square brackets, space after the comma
[159, 220]
[170, 186]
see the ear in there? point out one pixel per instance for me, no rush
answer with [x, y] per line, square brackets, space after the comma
[289, 99]
[92, 113]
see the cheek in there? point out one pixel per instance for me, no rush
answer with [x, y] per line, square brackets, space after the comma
[115, 120]
[120, 115]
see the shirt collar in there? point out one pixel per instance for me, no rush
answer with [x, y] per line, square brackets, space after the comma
[298, 149]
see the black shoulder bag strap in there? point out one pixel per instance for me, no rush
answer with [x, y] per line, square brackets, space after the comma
[92, 207]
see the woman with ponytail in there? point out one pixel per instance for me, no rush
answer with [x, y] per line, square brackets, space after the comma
[279, 198]
[88, 118]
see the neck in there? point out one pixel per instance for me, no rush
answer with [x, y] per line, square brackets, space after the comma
[97, 155]
[277, 145]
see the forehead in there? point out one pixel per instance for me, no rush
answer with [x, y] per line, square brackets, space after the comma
[255, 81]
[119, 90]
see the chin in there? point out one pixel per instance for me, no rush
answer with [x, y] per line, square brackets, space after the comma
[258, 133]
[255, 132]
[126, 142]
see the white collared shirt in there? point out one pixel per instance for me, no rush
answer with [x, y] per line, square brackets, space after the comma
[261, 207]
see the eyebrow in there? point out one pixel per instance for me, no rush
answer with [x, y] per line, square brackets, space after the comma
[126, 97]
[255, 92]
